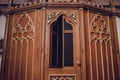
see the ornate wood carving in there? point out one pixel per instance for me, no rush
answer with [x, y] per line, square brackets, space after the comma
[23, 40]
[24, 28]
[99, 29]
[58, 77]
[100, 49]
[53, 15]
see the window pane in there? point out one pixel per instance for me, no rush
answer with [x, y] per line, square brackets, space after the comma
[67, 26]
[54, 28]
[56, 54]
[54, 51]
[60, 42]
[68, 49]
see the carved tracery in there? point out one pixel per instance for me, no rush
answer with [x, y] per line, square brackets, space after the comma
[22, 44]
[100, 47]
[62, 78]
[99, 29]
[54, 15]
[24, 28]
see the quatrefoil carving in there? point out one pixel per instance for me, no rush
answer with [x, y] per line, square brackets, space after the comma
[99, 28]
[24, 28]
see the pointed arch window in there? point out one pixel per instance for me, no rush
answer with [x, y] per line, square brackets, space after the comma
[61, 54]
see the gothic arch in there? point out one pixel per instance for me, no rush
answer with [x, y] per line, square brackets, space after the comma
[24, 27]
[69, 16]
[99, 29]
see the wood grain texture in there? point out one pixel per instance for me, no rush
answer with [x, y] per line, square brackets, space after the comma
[94, 45]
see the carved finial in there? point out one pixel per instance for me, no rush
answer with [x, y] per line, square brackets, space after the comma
[112, 5]
[101, 6]
[98, 5]
[93, 4]
[84, 2]
[30, 3]
[9, 3]
[35, 2]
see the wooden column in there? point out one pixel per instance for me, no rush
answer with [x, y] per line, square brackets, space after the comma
[82, 39]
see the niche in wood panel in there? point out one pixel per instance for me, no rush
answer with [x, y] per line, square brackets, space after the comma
[23, 35]
[101, 56]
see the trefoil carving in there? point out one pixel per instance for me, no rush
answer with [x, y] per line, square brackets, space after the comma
[99, 29]
[23, 28]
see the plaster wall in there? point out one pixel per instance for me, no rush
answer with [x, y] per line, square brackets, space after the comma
[2, 30]
[118, 30]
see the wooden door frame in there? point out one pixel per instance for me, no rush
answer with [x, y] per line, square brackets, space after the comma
[76, 42]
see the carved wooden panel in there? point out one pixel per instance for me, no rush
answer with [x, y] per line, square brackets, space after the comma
[62, 77]
[100, 35]
[28, 46]
[71, 17]
[52, 16]
[22, 43]
[23, 59]
[100, 56]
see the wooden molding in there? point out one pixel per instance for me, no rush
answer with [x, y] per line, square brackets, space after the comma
[52, 5]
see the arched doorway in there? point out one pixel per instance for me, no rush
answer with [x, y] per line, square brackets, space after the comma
[62, 61]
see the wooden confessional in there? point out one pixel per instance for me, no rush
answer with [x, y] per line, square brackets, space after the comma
[64, 40]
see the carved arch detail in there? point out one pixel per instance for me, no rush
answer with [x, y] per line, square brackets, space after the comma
[23, 28]
[99, 29]
[71, 16]
[100, 46]
[22, 46]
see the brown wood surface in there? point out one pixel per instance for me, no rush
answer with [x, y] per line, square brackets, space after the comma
[95, 48]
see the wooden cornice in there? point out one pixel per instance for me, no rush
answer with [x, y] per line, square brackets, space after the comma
[62, 6]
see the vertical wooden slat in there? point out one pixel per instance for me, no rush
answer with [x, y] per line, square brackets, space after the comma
[26, 59]
[115, 48]
[76, 30]
[104, 60]
[111, 54]
[12, 60]
[43, 42]
[35, 18]
[91, 73]
[110, 61]
[107, 61]
[99, 60]
[87, 47]
[96, 60]
[29, 61]
[17, 61]
[91, 69]
[12, 54]
[93, 57]
[23, 60]
[37, 43]
[82, 33]
[20, 59]
[111, 50]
